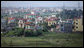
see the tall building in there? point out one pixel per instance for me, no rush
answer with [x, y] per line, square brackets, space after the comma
[78, 25]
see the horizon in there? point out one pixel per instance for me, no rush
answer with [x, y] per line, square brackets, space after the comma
[41, 4]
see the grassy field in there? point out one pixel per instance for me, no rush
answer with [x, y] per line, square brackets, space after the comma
[47, 40]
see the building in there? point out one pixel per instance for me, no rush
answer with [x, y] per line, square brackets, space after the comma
[3, 24]
[52, 21]
[10, 12]
[38, 27]
[38, 19]
[21, 23]
[66, 26]
[29, 25]
[29, 16]
[11, 20]
[27, 22]
[78, 25]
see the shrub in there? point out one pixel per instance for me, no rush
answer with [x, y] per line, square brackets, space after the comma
[33, 33]
[39, 32]
[28, 32]
[45, 29]
[19, 31]
[10, 33]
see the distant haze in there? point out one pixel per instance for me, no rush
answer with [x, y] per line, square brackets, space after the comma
[41, 3]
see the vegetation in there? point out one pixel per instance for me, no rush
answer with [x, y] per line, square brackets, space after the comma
[43, 37]
[33, 33]
[20, 32]
[70, 14]
[50, 39]
[14, 32]
[10, 33]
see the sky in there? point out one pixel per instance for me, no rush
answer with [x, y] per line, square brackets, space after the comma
[40, 3]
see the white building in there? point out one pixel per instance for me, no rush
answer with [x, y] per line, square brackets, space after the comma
[10, 12]
[32, 12]
[38, 20]
[21, 24]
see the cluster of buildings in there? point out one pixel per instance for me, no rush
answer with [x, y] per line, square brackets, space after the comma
[32, 21]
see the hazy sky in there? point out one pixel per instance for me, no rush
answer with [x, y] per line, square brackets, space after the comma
[40, 3]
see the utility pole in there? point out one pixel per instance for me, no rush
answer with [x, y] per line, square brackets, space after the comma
[30, 7]
[78, 5]
[63, 9]
[78, 8]
[63, 6]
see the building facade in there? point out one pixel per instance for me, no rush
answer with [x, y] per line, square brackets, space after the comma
[78, 25]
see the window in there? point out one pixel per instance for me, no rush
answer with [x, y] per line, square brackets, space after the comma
[76, 20]
[21, 25]
[76, 27]
[49, 23]
[62, 25]
[73, 27]
[76, 23]
[54, 23]
[28, 27]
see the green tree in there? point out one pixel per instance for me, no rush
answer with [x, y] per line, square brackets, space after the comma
[10, 33]
[45, 27]
[33, 33]
[19, 31]
[28, 33]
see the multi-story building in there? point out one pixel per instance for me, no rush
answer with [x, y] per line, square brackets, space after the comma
[52, 21]
[11, 19]
[29, 16]
[66, 27]
[27, 22]
[21, 23]
[78, 25]
[29, 25]
[38, 19]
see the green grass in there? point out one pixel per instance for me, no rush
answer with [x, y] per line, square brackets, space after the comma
[47, 40]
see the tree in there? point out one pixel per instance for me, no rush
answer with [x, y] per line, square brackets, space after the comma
[45, 27]
[28, 33]
[10, 33]
[70, 14]
[33, 33]
[39, 32]
[19, 31]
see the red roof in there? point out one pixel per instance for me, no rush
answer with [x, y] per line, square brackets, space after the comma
[20, 19]
[11, 18]
[68, 19]
[37, 16]
[58, 27]
[28, 22]
[77, 18]
[52, 19]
